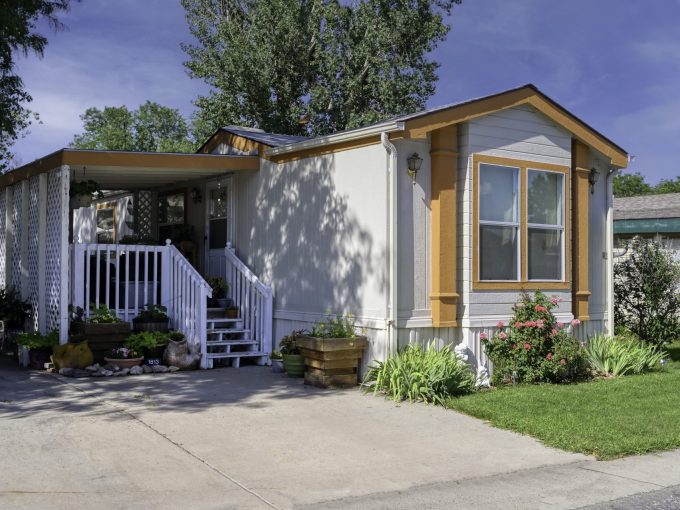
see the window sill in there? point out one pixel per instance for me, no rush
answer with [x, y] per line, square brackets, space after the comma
[529, 285]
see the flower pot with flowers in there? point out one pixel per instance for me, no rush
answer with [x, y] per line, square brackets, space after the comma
[293, 361]
[535, 347]
[103, 329]
[124, 357]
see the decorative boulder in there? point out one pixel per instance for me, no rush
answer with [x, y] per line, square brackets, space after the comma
[179, 355]
[72, 355]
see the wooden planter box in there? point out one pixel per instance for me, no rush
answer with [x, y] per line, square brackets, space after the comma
[101, 338]
[332, 362]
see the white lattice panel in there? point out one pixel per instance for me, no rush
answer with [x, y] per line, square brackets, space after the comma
[33, 247]
[17, 222]
[143, 214]
[3, 235]
[53, 240]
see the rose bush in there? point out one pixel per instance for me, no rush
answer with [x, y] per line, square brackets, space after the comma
[535, 347]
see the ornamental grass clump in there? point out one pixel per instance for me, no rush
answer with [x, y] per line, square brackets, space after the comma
[616, 356]
[426, 374]
[535, 347]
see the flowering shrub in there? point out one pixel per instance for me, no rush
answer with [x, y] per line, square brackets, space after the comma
[535, 347]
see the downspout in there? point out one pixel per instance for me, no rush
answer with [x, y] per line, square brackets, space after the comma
[392, 301]
[609, 229]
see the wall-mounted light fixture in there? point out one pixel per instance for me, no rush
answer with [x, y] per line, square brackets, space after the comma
[592, 179]
[414, 161]
[196, 195]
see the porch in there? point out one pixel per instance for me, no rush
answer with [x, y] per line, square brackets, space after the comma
[163, 225]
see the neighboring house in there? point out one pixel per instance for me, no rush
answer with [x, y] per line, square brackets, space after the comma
[506, 198]
[649, 216]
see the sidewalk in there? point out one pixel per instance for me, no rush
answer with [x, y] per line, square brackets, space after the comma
[247, 438]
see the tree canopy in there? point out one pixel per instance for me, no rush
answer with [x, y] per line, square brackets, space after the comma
[633, 185]
[312, 66]
[150, 128]
[18, 20]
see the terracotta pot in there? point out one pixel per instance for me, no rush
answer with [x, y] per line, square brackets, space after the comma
[124, 363]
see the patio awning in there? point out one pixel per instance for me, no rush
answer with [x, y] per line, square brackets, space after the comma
[133, 170]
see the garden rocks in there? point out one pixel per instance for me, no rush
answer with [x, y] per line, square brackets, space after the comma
[136, 370]
[159, 369]
[173, 369]
[146, 369]
[114, 371]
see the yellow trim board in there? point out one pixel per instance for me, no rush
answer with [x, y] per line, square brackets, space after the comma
[523, 283]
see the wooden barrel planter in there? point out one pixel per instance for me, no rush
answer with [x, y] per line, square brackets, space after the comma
[332, 362]
[102, 338]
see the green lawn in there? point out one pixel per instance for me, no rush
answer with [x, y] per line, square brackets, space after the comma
[606, 418]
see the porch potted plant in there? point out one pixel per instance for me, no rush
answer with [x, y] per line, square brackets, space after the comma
[277, 361]
[103, 329]
[152, 318]
[293, 361]
[332, 352]
[220, 288]
[39, 347]
[82, 192]
[150, 344]
[123, 357]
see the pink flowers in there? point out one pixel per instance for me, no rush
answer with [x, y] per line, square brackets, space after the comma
[554, 301]
[527, 346]
[563, 362]
[575, 322]
[530, 324]
[502, 336]
[560, 325]
[540, 324]
[518, 325]
[541, 309]
[483, 336]
[554, 331]
[501, 324]
[549, 357]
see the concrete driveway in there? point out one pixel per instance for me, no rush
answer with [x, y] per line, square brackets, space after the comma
[247, 438]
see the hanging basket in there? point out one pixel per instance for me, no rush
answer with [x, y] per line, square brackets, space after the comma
[78, 201]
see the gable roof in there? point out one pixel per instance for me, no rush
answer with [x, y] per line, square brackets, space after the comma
[254, 135]
[419, 124]
[666, 205]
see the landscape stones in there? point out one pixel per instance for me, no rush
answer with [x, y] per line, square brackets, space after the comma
[93, 368]
[173, 369]
[109, 370]
[136, 370]
[159, 369]
[66, 371]
[147, 369]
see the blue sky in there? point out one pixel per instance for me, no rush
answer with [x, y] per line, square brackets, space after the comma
[613, 63]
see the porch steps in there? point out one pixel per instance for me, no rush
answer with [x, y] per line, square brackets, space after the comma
[232, 331]
[228, 340]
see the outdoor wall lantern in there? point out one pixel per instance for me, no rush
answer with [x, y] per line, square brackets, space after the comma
[196, 195]
[592, 179]
[414, 162]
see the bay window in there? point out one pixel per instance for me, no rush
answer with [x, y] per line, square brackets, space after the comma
[520, 224]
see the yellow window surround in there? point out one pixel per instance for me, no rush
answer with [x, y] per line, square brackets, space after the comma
[523, 283]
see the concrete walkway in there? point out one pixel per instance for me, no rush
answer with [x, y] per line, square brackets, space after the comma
[247, 438]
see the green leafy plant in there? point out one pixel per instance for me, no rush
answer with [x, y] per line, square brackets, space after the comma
[535, 347]
[102, 315]
[646, 297]
[146, 340]
[416, 373]
[335, 327]
[175, 336]
[153, 312]
[219, 286]
[616, 356]
[288, 344]
[13, 310]
[35, 340]
[88, 187]
[275, 355]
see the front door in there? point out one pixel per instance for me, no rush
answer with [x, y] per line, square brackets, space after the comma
[219, 225]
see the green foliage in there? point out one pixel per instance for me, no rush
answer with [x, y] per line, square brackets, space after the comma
[668, 186]
[219, 287]
[612, 356]
[146, 340]
[534, 347]
[153, 312]
[421, 374]
[13, 310]
[335, 327]
[102, 315]
[304, 67]
[35, 340]
[150, 128]
[176, 336]
[646, 297]
[275, 355]
[88, 187]
[288, 344]
[632, 185]
[18, 23]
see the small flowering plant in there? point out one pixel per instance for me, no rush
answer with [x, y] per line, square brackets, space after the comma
[123, 353]
[535, 347]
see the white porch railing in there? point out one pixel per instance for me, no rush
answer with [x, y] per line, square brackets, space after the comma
[125, 278]
[253, 298]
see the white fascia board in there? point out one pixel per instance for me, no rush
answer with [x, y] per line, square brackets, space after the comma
[344, 136]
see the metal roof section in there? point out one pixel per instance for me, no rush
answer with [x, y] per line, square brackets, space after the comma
[258, 135]
[647, 207]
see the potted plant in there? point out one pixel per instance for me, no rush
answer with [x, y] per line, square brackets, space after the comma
[220, 288]
[277, 361]
[293, 361]
[332, 352]
[123, 357]
[152, 318]
[151, 344]
[232, 312]
[13, 310]
[103, 329]
[39, 347]
[81, 193]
